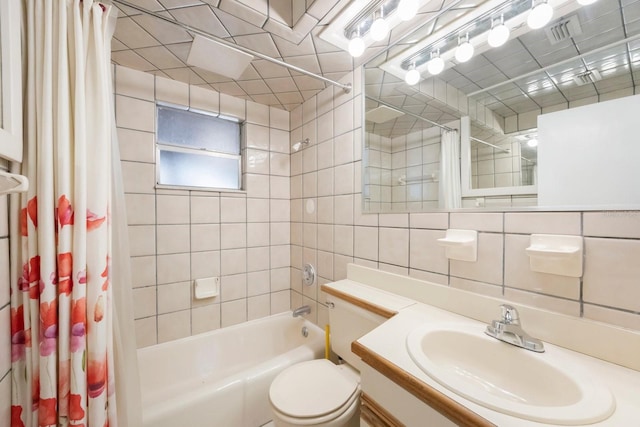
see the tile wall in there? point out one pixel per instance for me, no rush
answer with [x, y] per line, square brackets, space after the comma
[5, 312]
[327, 175]
[177, 236]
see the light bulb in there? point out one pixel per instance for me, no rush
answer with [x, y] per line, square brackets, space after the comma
[532, 142]
[498, 35]
[407, 9]
[540, 15]
[356, 46]
[586, 2]
[435, 65]
[379, 29]
[464, 52]
[412, 77]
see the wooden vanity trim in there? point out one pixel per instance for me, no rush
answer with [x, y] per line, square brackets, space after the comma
[448, 407]
[381, 311]
[375, 415]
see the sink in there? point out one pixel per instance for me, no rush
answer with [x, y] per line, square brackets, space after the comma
[544, 387]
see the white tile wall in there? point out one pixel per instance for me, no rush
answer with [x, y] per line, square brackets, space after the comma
[5, 317]
[178, 235]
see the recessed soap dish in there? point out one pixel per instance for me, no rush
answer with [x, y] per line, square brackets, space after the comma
[556, 254]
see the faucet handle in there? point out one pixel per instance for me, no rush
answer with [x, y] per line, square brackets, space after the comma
[510, 314]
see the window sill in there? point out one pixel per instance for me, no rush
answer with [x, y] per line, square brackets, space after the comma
[198, 189]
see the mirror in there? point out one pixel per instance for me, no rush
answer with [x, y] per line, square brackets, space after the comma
[10, 82]
[584, 55]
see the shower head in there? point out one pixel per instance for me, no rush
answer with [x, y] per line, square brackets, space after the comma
[298, 145]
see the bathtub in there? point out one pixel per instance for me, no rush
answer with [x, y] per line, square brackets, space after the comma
[221, 378]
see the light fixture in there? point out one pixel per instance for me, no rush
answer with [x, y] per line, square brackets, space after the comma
[407, 9]
[298, 145]
[356, 44]
[532, 142]
[586, 2]
[435, 64]
[380, 28]
[413, 76]
[464, 51]
[499, 33]
[540, 14]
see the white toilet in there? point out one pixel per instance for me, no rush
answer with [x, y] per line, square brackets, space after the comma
[318, 392]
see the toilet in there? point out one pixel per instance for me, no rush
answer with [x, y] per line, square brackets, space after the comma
[318, 392]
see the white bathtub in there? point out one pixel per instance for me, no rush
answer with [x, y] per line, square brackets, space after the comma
[221, 378]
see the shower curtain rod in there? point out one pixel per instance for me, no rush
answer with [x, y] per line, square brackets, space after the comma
[345, 86]
[415, 116]
[490, 145]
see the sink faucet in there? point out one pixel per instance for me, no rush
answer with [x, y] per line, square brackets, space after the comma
[508, 329]
[305, 309]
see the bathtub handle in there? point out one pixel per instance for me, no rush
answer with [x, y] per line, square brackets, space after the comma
[330, 304]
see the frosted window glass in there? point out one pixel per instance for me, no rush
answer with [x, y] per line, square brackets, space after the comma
[196, 130]
[198, 170]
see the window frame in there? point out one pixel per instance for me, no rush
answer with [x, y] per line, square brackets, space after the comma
[161, 146]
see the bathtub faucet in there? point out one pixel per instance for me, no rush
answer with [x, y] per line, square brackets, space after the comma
[305, 309]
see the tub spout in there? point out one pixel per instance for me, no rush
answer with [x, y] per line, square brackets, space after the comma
[305, 309]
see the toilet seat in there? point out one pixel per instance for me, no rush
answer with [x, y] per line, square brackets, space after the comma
[313, 392]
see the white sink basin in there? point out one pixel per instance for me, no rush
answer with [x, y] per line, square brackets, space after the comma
[542, 387]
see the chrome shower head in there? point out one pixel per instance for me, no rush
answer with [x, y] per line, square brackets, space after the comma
[298, 145]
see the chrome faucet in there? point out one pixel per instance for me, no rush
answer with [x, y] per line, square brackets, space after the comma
[508, 329]
[305, 309]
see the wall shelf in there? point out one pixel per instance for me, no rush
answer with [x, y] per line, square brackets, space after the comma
[556, 254]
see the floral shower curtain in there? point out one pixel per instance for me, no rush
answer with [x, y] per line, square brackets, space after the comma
[61, 324]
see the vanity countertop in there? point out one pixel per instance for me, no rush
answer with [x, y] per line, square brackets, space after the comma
[385, 350]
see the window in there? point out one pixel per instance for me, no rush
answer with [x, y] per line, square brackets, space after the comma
[197, 150]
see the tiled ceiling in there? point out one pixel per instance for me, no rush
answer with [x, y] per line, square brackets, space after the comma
[521, 76]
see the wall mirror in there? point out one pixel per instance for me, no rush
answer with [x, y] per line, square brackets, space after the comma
[10, 81]
[583, 56]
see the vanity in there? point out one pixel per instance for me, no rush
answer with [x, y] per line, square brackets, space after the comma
[432, 364]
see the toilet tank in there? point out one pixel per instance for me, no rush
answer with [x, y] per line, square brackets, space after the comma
[348, 323]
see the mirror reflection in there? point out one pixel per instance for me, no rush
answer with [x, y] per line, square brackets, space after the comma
[491, 102]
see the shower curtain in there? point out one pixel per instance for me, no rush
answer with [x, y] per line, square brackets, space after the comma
[62, 293]
[449, 188]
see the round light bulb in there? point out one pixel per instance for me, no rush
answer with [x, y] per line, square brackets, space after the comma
[435, 65]
[532, 142]
[586, 2]
[498, 35]
[412, 77]
[464, 52]
[379, 29]
[356, 47]
[539, 16]
[407, 9]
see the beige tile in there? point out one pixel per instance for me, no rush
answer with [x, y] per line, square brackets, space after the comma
[207, 100]
[325, 265]
[325, 154]
[141, 209]
[394, 220]
[258, 258]
[340, 266]
[343, 209]
[344, 179]
[205, 237]
[296, 187]
[5, 344]
[279, 141]
[343, 148]
[134, 83]
[296, 162]
[366, 243]
[173, 326]
[310, 184]
[280, 279]
[138, 177]
[295, 117]
[257, 234]
[542, 223]
[280, 256]
[613, 317]
[425, 253]
[174, 297]
[558, 305]
[476, 287]
[325, 237]
[257, 210]
[142, 240]
[144, 302]
[232, 107]
[258, 282]
[205, 318]
[172, 209]
[310, 235]
[343, 240]
[233, 261]
[325, 210]
[233, 312]
[256, 161]
[257, 113]
[205, 210]
[395, 269]
[310, 210]
[278, 118]
[172, 239]
[297, 210]
[233, 209]
[394, 246]
[173, 268]
[439, 279]
[132, 113]
[205, 264]
[256, 185]
[280, 210]
[258, 306]
[624, 224]
[172, 91]
[233, 236]
[488, 267]
[325, 128]
[477, 221]
[343, 118]
[325, 182]
[280, 233]
[280, 301]
[280, 187]
[361, 218]
[518, 274]
[143, 271]
[309, 110]
[310, 158]
[233, 287]
[257, 136]
[439, 221]
[146, 332]
[611, 272]
[136, 146]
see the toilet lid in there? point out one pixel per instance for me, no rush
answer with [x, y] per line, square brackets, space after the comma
[311, 389]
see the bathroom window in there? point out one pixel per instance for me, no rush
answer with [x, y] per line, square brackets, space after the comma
[196, 149]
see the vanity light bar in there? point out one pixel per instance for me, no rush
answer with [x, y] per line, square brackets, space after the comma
[364, 20]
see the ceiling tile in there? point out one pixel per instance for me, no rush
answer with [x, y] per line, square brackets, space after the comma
[286, 48]
[170, 4]
[236, 26]
[335, 62]
[151, 5]
[321, 45]
[254, 87]
[307, 62]
[117, 45]
[201, 17]
[308, 83]
[230, 88]
[287, 98]
[209, 77]
[132, 34]
[267, 99]
[268, 69]
[128, 58]
[244, 12]
[161, 57]
[163, 31]
[186, 75]
[180, 50]
[262, 43]
[281, 11]
[281, 84]
[250, 73]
